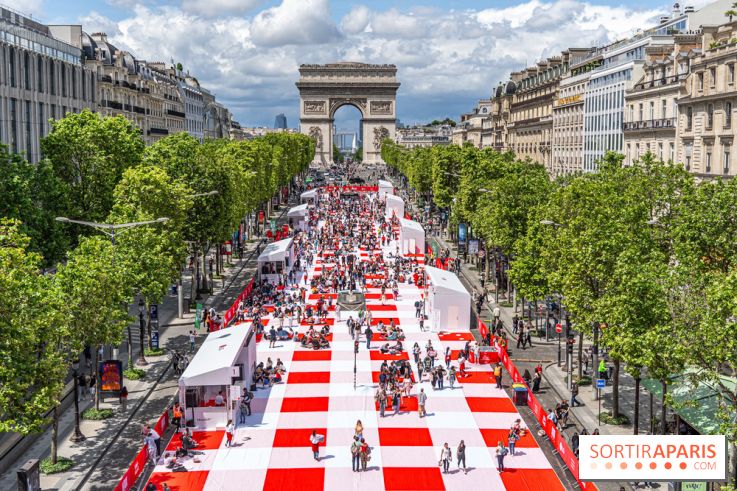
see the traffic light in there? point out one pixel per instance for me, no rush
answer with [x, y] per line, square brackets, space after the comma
[355, 346]
[570, 342]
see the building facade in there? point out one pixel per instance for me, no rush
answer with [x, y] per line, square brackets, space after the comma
[708, 98]
[42, 77]
[424, 136]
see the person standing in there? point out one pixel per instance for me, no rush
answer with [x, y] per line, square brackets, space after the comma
[124, 399]
[356, 453]
[229, 430]
[497, 314]
[365, 454]
[445, 457]
[337, 313]
[192, 339]
[501, 452]
[272, 337]
[381, 398]
[513, 437]
[397, 400]
[421, 401]
[369, 334]
[243, 409]
[498, 375]
[461, 456]
[315, 440]
[451, 376]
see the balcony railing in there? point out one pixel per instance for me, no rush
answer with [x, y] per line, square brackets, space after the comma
[158, 131]
[106, 79]
[172, 112]
[649, 124]
[139, 110]
[660, 82]
[112, 105]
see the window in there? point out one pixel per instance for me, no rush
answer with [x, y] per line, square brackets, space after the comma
[701, 80]
[652, 109]
[663, 109]
[670, 152]
[63, 80]
[727, 157]
[708, 159]
[27, 70]
[40, 74]
[712, 76]
[29, 142]
[642, 112]
[709, 115]
[52, 77]
[660, 151]
[689, 117]
[727, 114]
[41, 120]
[14, 125]
[11, 66]
[730, 73]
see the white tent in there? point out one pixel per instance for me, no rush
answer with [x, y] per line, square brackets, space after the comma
[298, 217]
[447, 303]
[224, 364]
[385, 187]
[394, 204]
[308, 196]
[411, 237]
[276, 258]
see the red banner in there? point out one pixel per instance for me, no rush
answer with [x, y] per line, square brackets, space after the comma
[230, 313]
[483, 330]
[354, 189]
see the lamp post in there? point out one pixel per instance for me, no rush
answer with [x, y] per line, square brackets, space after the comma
[77, 436]
[355, 362]
[142, 327]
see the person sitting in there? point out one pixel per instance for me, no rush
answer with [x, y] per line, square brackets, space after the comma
[325, 330]
[392, 336]
[396, 349]
[219, 399]
[384, 348]
[324, 342]
[281, 334]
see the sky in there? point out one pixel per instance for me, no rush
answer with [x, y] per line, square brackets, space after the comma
[448, 53]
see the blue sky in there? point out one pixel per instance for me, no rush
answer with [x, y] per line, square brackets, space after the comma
[449, 53]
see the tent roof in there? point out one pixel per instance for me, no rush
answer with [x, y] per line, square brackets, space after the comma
[312, 193]
[700, 402]
[385, 184]
[298, 211]
[446, 280]
[411, 225]
[211, 364]
[275, 251]
[394, 198]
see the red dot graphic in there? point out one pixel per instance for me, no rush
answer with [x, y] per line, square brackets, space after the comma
[683, 465]
[608, 465]
[668, 465]
[638, 465]
[623, 465]
[653, 465]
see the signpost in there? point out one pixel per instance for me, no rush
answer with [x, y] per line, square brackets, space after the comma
[600, 384]
[558, 328]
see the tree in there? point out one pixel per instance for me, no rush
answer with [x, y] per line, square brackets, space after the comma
[32, 194]
[89, 153]
[358, 155]
[33, 333]
[731, 12]
[337, 155]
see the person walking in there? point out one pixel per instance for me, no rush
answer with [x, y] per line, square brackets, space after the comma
[461, 456]
[337, 313]
[574, 392]
[416, 350]
[272, 337]
[124, 399]
[397, 400]
[356, 453]
[369, 334]
[498, 375]
[501, 452]
[229, 430]
[421, 401]
[381, 398]
[192, 340]
[365, 454]
[315, 440]
[445, 457]
[451, 376]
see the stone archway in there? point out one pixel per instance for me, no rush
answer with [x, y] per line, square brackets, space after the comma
[372, 89]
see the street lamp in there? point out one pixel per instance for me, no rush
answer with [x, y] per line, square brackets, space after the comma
[77, 436]
[142, 327]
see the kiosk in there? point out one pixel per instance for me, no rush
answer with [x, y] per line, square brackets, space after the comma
[394, 205]
[447, 302]
[385, 187]
[299, 217]
[276, 259]
[411, 237]
[308, 197]
[223, 365]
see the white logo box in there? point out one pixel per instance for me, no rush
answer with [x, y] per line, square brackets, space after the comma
[652, 458]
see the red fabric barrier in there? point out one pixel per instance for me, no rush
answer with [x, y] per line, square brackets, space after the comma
[483, 330]
[134, 471]
[230, 313]
[357, 189]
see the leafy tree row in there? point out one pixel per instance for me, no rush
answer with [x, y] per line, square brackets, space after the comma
[97, 169]
[643, 256]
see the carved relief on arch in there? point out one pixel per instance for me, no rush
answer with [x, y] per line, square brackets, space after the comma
[314, 107]
[316, 135]
[360, 103]
[381, 107]
[380, 134]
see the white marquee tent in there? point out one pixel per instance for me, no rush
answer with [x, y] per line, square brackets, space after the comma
[394, 204]
[385, 187]
[223, 364]
[411, 237]
[298, 217]
[309, 196]
[276, 258]
[447, 303]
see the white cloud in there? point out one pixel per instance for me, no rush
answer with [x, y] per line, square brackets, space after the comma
[295, 22]
[356, 20]
[446, 59]
[219, 8]
[29, 7]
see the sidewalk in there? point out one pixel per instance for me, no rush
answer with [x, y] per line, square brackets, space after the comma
[110, 445]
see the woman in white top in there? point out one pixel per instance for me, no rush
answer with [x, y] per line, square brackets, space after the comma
[446, 455]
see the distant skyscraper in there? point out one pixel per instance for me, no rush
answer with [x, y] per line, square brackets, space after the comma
[280, 122]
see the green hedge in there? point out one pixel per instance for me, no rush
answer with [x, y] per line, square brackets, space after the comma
[63, 464]
[607, 419]
[154, 352]
[134, 373]
[97, 414]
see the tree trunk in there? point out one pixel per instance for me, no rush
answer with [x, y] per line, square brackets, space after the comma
[148, 324]
[55, 433]
[636, 422]
[130, 346]
[663, 409]
[615, 389]
[96, 375]
[580, 355]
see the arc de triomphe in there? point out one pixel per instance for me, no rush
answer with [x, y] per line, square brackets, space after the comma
[372, 89]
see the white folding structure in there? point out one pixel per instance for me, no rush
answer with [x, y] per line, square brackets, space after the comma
[298, 217]
[394, 205]
[308, 196]
[277, 258]
[447, 302]
[223, 364]
[385, 187]
[411, 237]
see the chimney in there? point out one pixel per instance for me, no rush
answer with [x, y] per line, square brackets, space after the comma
[664, 19]
[676, 10]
